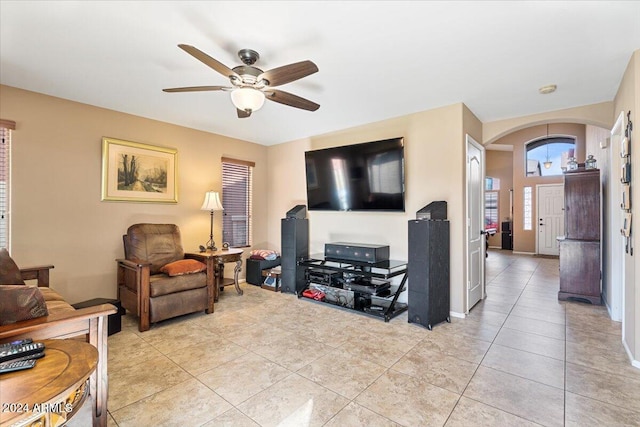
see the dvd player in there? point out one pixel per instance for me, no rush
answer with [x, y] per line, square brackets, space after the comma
[322, 276]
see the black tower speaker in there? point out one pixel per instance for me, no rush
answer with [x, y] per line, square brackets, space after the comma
[428, 272]
[295, 245]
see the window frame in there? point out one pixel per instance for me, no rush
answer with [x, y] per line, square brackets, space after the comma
[6, 128]
[542, 142]
[491, 212]
[230, 227]
[527, 208]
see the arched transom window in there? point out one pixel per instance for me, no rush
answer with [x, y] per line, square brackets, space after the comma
[548, 156]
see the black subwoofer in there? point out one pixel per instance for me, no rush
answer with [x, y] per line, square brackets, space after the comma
[254, 269]
[428, 272]
[295, 246]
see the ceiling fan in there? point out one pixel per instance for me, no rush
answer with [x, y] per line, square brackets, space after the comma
[250, 85]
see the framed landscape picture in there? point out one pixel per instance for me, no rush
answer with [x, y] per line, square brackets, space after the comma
[135, 172]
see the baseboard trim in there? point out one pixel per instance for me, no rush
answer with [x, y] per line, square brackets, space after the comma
[610, 310]
[458, 315]
[523, 253]
[634, 363]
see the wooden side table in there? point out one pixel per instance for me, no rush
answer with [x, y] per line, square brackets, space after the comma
[217, 259]
[52, 392]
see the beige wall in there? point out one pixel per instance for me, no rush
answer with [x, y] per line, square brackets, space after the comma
[525, 240]
[57, 215]
[287, 185]
[628, 99]
[500, 165]
[434, 159]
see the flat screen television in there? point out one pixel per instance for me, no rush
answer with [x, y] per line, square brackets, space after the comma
[360, 177]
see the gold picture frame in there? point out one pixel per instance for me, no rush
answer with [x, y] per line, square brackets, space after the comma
[135, 172]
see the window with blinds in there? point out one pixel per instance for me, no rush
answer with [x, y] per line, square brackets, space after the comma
[236, 201]
[5, 174]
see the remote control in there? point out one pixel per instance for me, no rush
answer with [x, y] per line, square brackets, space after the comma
[16, 365]
[20, 350]
[29, 357]
[14, 343]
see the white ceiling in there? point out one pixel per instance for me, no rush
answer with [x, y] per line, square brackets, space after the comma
[377, 59]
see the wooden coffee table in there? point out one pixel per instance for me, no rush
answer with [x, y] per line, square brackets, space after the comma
[51, 392]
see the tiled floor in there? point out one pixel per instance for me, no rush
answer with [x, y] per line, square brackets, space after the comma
[267, 359]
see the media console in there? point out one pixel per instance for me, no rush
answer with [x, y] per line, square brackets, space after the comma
[360, 286]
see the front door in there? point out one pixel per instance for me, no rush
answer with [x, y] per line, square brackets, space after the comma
[475, 222]
[550, 206]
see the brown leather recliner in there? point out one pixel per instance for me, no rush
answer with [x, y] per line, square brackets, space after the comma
[150, 293]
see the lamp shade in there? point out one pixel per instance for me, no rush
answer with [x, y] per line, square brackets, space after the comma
[212, 202]
[246, 98]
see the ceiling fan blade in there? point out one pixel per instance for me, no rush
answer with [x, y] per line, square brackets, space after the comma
[291, 100]
[196, 88]
[288, 73]
[242, 114]
[207, 60]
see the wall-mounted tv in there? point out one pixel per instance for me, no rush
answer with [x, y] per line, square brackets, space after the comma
[359, 177]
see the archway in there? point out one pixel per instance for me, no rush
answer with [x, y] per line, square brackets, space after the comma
[598, 120]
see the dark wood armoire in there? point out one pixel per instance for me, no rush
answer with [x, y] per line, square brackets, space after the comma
[580, 257]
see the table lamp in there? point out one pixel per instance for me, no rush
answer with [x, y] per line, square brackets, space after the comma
[211, 203]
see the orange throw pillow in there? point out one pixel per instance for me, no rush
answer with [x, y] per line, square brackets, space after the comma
[183, 266]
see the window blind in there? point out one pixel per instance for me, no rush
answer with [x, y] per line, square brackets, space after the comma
[5, 174]
[236, 201]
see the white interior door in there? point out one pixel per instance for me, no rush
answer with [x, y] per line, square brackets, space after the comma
[550, 206]
[475, 223]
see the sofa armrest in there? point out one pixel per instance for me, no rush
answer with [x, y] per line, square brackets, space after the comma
[212, 271]
[39, 273]
[90, 322]
[133, 263]
[66, 324]
[134, 289]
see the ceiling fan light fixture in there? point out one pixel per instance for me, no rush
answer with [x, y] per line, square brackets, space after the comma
[247, 99]
[249, 82]
[548, 163]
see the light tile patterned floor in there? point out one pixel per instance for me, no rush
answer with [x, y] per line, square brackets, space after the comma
[265, 359]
